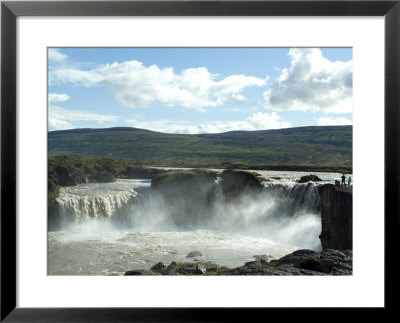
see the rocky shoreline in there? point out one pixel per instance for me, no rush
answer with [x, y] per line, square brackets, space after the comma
[300, 262]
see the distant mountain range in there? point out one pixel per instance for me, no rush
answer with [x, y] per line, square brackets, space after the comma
[311, 146]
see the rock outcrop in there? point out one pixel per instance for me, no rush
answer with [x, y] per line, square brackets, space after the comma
[238, 182]
[141, 172]
[309, 178]
[300, 262]
[193, 254]
[336, 217]
[188, 195]
[70, 171]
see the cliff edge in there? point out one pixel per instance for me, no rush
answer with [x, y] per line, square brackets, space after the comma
[336, 217]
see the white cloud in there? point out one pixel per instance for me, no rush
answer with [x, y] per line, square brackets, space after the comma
[261, 121]
[55, 55]
[136, 85]
[78, 115]
[56, 97]
[312, 82]
[327, 121]
[59, 117]
[56, 124]
[237, 98]
[258, 121]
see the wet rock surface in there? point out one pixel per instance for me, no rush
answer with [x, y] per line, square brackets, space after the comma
[309, 178]
[193, 254]
[301, 262]
[336, 217]
[238, 182]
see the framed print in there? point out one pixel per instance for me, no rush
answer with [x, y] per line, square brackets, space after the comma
[225, 150]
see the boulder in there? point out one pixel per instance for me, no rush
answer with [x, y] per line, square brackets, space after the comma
[158, 267]
[193, 254]
[309, 178]
[140, 273]
[133, 273]
[200, 269]
[239, 182]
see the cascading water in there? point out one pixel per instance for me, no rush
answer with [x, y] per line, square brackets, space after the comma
[96, 200]
[113, 227]
[294, 197]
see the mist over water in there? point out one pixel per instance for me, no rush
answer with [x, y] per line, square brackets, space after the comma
[110, 228]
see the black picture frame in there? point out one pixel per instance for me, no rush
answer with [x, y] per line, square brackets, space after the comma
[10, 10]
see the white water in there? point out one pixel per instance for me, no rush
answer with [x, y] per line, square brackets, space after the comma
[108, 229]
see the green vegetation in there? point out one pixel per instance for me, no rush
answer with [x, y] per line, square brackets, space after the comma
[182, 175]
[249, 173]
[327, 148]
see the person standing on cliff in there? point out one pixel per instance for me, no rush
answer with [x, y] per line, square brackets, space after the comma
[343, 180]
[349, 182]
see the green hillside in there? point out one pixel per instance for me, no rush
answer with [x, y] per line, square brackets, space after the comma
[311, 146]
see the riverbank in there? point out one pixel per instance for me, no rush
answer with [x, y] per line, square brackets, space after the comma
[300, 262]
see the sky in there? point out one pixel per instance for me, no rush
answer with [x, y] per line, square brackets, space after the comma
[199, 90]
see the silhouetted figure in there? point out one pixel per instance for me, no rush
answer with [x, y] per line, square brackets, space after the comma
[343, 180]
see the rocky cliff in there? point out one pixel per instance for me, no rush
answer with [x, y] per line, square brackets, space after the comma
[336, 217]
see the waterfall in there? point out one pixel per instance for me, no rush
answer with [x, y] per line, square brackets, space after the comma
[131, 204]
[285, 212]
[97, 200]
[294, 197]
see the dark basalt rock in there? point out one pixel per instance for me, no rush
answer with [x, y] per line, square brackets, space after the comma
[134, 273]
[188, 268]
[309, 178]
[52, 189]
[158, 266]
[333, 262]
[336, 217]
[300, 262]
[239, 182]
[193, 254]
[141, 273]
[66, 176]
[103, 177]
[142, 172]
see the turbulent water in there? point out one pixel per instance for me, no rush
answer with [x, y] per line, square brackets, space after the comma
[108, 229]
